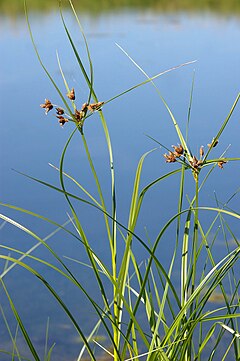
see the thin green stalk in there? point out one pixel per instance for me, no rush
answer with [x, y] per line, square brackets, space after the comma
[219, 133]
[99, 191]
[92, 92]
[195, 236]
[112, 242]
[81, 231]
[190, 107]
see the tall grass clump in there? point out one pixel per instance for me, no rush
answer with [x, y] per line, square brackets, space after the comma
[144, 310]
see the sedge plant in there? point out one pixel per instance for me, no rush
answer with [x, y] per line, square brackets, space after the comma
[177, 325]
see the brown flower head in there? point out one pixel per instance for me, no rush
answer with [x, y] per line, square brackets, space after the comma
[79, 115]
[47, 106]
[214, 143]
[60, 111]
[170, 157]
[220, 164]
[71, 94]
[201, 151]
[178, 150]
[62, 120]
[95, 106]
[84, 107]
[195, 163]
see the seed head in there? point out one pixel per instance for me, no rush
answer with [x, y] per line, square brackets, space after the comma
[195, 163]
[178, 150]
[47, 106]
[84, 107]
[201, 151]
[214, 143]
[60, 111]
[220, 164]
[62, 120]
[94, 106]
[79, 115]
[71, 94]
[170, 157]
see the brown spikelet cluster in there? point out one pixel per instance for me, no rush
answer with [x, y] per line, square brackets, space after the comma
[195, 163]
[220, 164]
[213, 144]
[95, 106]
[177, 153]
[78, 116]
[71, 94]
[61, 120]
[170, 157]
[47, 106]
[178, 150]
[59, 111]
[192, 161]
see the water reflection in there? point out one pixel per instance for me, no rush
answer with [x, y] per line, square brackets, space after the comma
[29, 140]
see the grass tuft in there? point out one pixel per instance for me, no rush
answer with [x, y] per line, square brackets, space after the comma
[144, 310]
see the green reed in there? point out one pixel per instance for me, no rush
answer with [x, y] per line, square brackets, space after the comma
[177, 324]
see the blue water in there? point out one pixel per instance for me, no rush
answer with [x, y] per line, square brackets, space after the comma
[29, 140]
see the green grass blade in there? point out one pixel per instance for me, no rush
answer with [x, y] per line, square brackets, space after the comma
[181, 138]
[149, 80]
[88, 52]
[223, 126]
[20, 323]
[41, 63]
[78, 184]
[133, 214]
[15, 351]
[25, 254]
[64, 80]
[190, 106]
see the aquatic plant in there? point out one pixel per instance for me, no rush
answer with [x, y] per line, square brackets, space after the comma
[144, 311]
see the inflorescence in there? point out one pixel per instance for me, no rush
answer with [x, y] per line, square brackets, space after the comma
[179, 154]
[78, 116]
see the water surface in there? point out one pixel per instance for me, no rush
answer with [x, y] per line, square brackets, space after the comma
[29, 140]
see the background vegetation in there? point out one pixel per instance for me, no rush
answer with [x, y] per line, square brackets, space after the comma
[220, 6]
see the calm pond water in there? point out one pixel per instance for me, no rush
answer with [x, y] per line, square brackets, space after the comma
[29, 140]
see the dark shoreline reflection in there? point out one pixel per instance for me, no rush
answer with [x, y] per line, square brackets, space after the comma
[15, 7]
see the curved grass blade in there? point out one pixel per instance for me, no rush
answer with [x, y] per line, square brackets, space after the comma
[15, 351]
[149, 80]
[78, 184]
[89, 82]
[25, 254]
[181, 138]
[197, 290]
[70, 277]
[80, 228]
[222, 127]
[26, 336]
[20, 323]
[41, 63]
[88, 52]
[64, 80]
